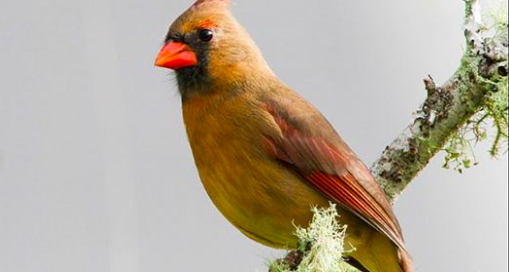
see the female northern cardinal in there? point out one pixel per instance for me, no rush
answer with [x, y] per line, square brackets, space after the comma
[265, 155]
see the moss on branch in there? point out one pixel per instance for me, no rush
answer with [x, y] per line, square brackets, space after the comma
[456, 115]
[320, 246]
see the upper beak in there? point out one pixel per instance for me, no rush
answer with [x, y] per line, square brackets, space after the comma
[176, 55]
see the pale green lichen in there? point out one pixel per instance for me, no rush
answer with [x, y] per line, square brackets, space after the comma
[490, 122]
[459, 152]
[322, 245]
[499, 20]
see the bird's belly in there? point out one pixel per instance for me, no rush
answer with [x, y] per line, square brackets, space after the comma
[263, 198]
[264, 201]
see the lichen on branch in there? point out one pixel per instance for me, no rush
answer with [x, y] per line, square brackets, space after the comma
[463, 107]
[320, 246]
[491, 121]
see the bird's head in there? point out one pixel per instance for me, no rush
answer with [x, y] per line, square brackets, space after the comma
[208, 48]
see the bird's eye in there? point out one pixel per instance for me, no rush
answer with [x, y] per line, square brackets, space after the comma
[205, 35]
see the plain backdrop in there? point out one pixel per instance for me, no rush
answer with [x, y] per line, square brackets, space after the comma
[96, 174]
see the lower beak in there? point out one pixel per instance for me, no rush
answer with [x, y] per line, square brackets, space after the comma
[175, 55]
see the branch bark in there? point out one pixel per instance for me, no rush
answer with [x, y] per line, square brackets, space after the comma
[447, 108]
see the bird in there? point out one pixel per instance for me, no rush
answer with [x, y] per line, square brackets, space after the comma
[264, 154]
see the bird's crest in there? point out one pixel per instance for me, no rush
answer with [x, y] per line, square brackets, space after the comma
[201, 2]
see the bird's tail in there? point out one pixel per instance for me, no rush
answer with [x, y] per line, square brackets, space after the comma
[405, 261]
[380, 254]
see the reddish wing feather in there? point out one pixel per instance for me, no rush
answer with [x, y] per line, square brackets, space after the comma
[332, 171]
[355, 200]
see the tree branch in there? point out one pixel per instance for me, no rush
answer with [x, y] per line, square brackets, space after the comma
[447, 108]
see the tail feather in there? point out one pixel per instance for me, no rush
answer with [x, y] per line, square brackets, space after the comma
[380, 254]
[353, 262]
[405, 261]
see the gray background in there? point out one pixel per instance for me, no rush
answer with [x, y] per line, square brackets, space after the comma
[95, 170]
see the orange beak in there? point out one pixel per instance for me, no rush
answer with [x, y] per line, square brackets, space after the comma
[175, 55]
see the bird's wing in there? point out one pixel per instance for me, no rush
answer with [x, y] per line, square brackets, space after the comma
[310, 146]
